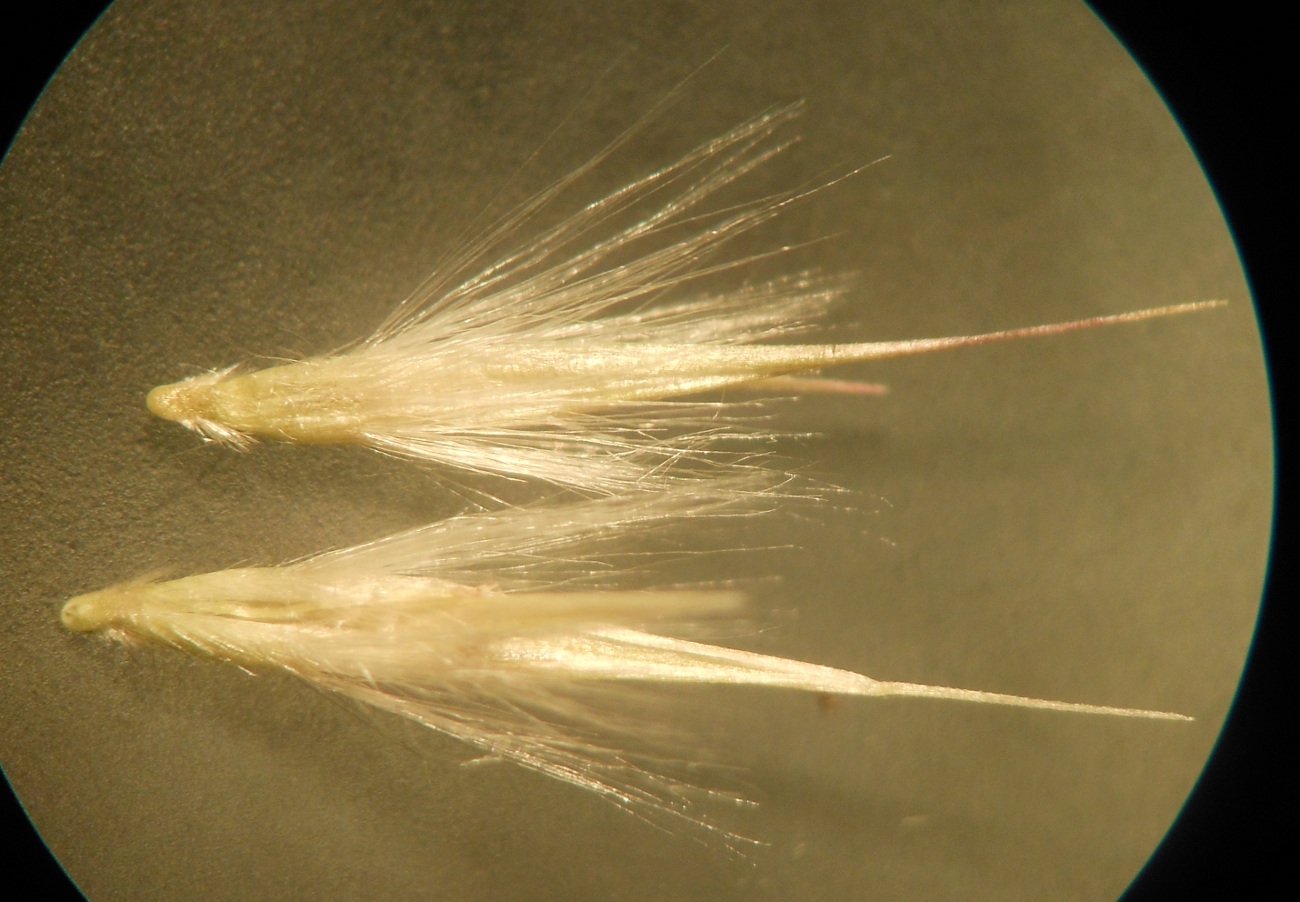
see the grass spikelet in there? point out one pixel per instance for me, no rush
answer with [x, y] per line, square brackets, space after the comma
[574, 355]
[524, 633]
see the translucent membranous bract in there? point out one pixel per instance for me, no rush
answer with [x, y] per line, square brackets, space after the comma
[522, 633]
[577, 354]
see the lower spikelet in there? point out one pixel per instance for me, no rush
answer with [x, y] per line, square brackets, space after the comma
[524, 633]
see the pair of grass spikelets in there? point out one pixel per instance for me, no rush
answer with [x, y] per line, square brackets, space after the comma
[582, 355]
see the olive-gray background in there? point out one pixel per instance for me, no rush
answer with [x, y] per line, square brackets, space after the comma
[1082, 518]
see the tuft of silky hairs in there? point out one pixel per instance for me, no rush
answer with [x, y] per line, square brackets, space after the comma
[531, 634]
[588, 354]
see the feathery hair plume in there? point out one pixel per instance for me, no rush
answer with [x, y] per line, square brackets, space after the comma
[522, 633]
[570, 356]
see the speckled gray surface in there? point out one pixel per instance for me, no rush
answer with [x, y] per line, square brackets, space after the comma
[1084, 518]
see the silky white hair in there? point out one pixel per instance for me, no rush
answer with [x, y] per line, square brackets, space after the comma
[571, 356]
[526, 633]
